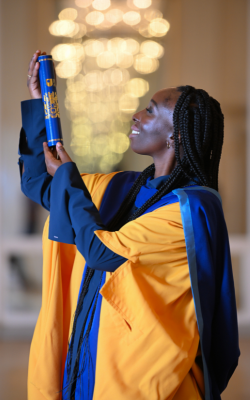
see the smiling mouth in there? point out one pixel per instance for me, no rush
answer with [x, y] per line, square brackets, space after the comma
[135, 132]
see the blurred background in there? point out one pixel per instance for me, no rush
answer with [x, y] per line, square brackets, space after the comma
[111, 57]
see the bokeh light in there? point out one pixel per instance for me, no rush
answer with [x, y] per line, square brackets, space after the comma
[62, 28]
[132, 18]
[94, 81]
[128, 104]
[115, 44]
[67, 69]
[74, 51]
[119, 143]
[82, 30]
[130, 46]
[142, 3]
[108, 161]
[83, 3]
[68, 13]
[101, 4]
[76, 84]
[145, 65]
[101, 72]
[106, 59]
[152, 49]
[114, 16]
[95, 18]
[93, 47]
[137, 87]
[124, 60]
[159, 27]
[152, 13]
[144, 31]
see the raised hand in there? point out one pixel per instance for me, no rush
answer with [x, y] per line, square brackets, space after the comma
[52, 163]
[33, 77]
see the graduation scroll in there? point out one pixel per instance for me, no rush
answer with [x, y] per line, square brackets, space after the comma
[50, 100]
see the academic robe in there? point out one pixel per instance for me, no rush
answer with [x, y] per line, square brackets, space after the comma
[174, 291]
[148, 337]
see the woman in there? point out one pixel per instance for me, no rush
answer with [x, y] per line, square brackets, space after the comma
[152, 315]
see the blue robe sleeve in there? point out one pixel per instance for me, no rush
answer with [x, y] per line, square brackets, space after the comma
[35, 181]
[74, 219]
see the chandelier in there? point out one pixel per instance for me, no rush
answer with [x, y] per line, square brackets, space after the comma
[108, 48]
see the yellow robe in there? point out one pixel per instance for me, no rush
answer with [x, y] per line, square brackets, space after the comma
[148, 336]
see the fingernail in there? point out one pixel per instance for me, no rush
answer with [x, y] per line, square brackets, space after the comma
[59, 144]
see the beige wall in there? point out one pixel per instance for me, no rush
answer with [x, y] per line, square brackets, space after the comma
[24, 29]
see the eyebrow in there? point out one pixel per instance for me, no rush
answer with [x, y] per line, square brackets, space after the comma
[153, 101]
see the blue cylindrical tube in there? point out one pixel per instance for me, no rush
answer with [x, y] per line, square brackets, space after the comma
[50, 100]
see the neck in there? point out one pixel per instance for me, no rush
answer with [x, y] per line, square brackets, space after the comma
[162, 169]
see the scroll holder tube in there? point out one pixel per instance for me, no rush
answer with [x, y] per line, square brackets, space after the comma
[49, 95]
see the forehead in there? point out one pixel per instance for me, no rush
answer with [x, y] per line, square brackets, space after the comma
[167, 97]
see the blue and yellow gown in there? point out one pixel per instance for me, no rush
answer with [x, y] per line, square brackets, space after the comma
[170, 301]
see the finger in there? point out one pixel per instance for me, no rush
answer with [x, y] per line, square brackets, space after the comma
[47, 151]
[33, 62]
[64, 157]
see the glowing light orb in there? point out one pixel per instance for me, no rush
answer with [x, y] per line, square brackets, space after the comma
[68, 68]
[124, 60]
[82, 30]
[83, 3]
[94, 81]
[130, 46]
[109, 160]
[106, 59]
[76, 84]
[132, 18]
[101, 4]
[115, 44]
[114, 16]
[119, 143]
[93, 47]
[145, 65]
[95, 18]
[152, 14]
[73, 51]
[144, 31]
[62, 28]
[68, 13]
[152, 49]
[100, 145]
[142, 3]
[137, 87]
[128, 104]
[159, 27]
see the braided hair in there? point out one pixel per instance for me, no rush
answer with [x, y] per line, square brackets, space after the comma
[199, 121]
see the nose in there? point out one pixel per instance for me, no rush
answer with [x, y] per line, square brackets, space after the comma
[135, 117]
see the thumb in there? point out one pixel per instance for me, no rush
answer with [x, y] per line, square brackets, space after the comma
[64, 157]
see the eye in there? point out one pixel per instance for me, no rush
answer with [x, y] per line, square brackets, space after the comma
[149, 110]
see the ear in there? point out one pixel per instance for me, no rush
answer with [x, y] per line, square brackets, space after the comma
[171, 137]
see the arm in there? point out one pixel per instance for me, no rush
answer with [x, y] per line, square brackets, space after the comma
[35, 181]
[72, 206]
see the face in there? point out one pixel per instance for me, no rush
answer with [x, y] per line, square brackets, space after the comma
[152, 131]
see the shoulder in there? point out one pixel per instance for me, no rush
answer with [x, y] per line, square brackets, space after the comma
[199, 196]
[115, 182]
[97, 182]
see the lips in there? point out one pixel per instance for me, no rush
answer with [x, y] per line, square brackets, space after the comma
[135, 130]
